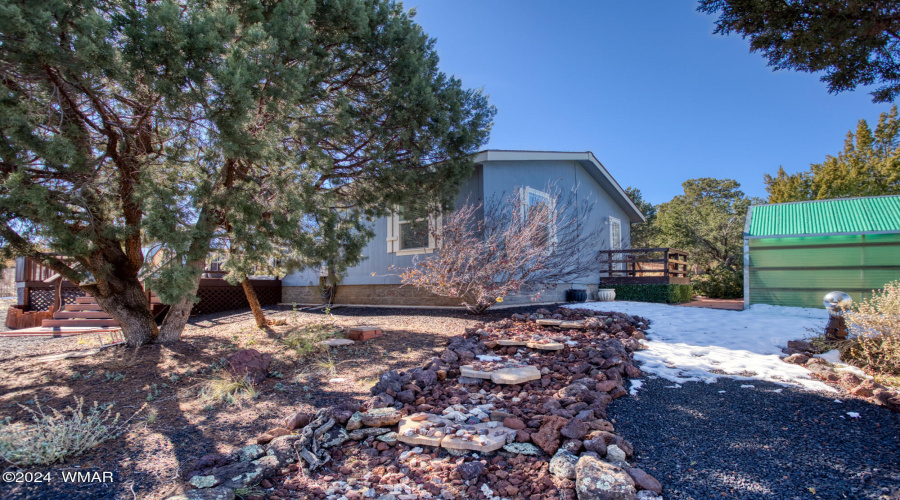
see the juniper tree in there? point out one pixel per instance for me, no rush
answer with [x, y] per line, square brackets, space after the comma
[184, 123]
[853, 42]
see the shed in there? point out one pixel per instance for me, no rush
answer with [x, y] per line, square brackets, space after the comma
[795, 253]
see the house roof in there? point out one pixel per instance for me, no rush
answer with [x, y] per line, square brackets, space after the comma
[869, 215]
[585, 158]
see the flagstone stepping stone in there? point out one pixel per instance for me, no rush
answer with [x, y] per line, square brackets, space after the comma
[511, 376]
[549, 322]
[470, 372]
[381, 417]
[571, 325]
[336, 342]
[360, 434]
[494, 439]
[511, 343]
[408, 424]
[548, 346]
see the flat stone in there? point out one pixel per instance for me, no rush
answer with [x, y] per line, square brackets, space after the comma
[360, 434]
[492, 441]
[389, 438]
[523, 449]
[549, 346]
[220, 493]
[203, 481]
[470, 372]
[515, 375]
[251, 453]
[335, 436]
[548, 322]
[568, 325]
[511, 343]
[336, 342]
[381, 417]
[355, 421]
[470, 380]
[410, 424]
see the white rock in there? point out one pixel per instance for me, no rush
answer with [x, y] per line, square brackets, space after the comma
[615, 454]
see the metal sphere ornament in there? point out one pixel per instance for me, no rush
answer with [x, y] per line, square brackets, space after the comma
[837, 302]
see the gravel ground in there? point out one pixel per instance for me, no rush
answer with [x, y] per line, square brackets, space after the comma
[754, 443]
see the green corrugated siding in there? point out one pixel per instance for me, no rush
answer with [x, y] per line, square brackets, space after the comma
[800, 271]
[849, 215]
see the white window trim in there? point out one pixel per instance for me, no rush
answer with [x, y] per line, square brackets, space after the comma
[393, 235]
[523, 193]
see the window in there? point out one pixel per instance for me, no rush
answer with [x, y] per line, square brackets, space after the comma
[539, 204]
[615, 234]
[412, 231]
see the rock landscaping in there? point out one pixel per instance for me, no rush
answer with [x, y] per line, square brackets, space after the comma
[488, 418]
[845, 378]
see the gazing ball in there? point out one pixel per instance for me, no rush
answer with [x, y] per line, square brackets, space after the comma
[837, 302]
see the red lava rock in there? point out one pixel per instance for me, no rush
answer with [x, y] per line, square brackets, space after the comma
[249, 363]
[575, 429]
[849, 380]
[644, 481]
[265, 483]
[523, 436]
[797, 359]
[381, 446]
[514, 423]
[298, 420]
[606, 385]
[547, 437]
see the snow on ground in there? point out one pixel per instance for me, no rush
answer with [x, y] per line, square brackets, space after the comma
[692, 344]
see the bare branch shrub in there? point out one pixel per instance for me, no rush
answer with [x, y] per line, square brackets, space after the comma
[513, 243]
[875, 329]
[53, 437]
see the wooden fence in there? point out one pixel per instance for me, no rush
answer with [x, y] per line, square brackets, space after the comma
[644, 266]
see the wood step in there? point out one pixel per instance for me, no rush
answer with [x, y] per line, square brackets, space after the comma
[78, 322]
[85, 300]
[82, 307]
[82, 314]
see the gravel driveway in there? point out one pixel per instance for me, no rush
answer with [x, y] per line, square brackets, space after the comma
[753, 443]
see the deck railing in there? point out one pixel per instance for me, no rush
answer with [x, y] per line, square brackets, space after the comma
[644, 266]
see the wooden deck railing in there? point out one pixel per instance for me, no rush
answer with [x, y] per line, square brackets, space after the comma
[644, 266]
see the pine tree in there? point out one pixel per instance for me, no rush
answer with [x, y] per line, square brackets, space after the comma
[643, 234]
[853, 42]
[197, 125]
[707, 221]
[869, 165]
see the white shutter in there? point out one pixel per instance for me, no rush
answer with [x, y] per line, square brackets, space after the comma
[392, 233]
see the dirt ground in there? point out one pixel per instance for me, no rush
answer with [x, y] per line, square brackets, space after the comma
[176, 426]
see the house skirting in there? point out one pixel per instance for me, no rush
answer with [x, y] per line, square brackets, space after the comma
[396, 295]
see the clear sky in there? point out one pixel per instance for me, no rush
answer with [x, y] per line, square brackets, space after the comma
[645, 86]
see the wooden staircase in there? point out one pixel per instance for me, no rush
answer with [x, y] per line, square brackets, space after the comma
[85, 312]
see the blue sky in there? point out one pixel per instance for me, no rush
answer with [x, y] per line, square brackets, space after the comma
[646, 86]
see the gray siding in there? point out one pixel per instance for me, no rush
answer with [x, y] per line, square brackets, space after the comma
[378, 260]
[495, 178]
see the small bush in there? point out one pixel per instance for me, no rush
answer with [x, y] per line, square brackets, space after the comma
[53, 437]
[657, 292]
[227, 388]
[874, 326]
[721, 283]
[305, 340]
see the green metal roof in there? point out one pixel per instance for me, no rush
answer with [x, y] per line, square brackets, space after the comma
[874, 214]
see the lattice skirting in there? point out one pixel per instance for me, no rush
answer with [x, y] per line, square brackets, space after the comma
[221, 298]
[40, 299]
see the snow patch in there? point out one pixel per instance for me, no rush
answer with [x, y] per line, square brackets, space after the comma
[635, 385]
[693, 344]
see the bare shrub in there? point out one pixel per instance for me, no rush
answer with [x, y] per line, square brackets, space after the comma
[875, 329]
[511, 244]
[55, 436]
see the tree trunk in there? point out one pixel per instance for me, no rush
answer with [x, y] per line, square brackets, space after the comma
[131, 309]
[258, 313]
[177, 316]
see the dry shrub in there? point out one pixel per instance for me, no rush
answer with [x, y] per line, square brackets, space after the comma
[55, 436]
[227, 388]
[875, 329]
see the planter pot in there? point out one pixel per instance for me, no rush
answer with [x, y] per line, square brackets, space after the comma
[573, 295]
[606, 294]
